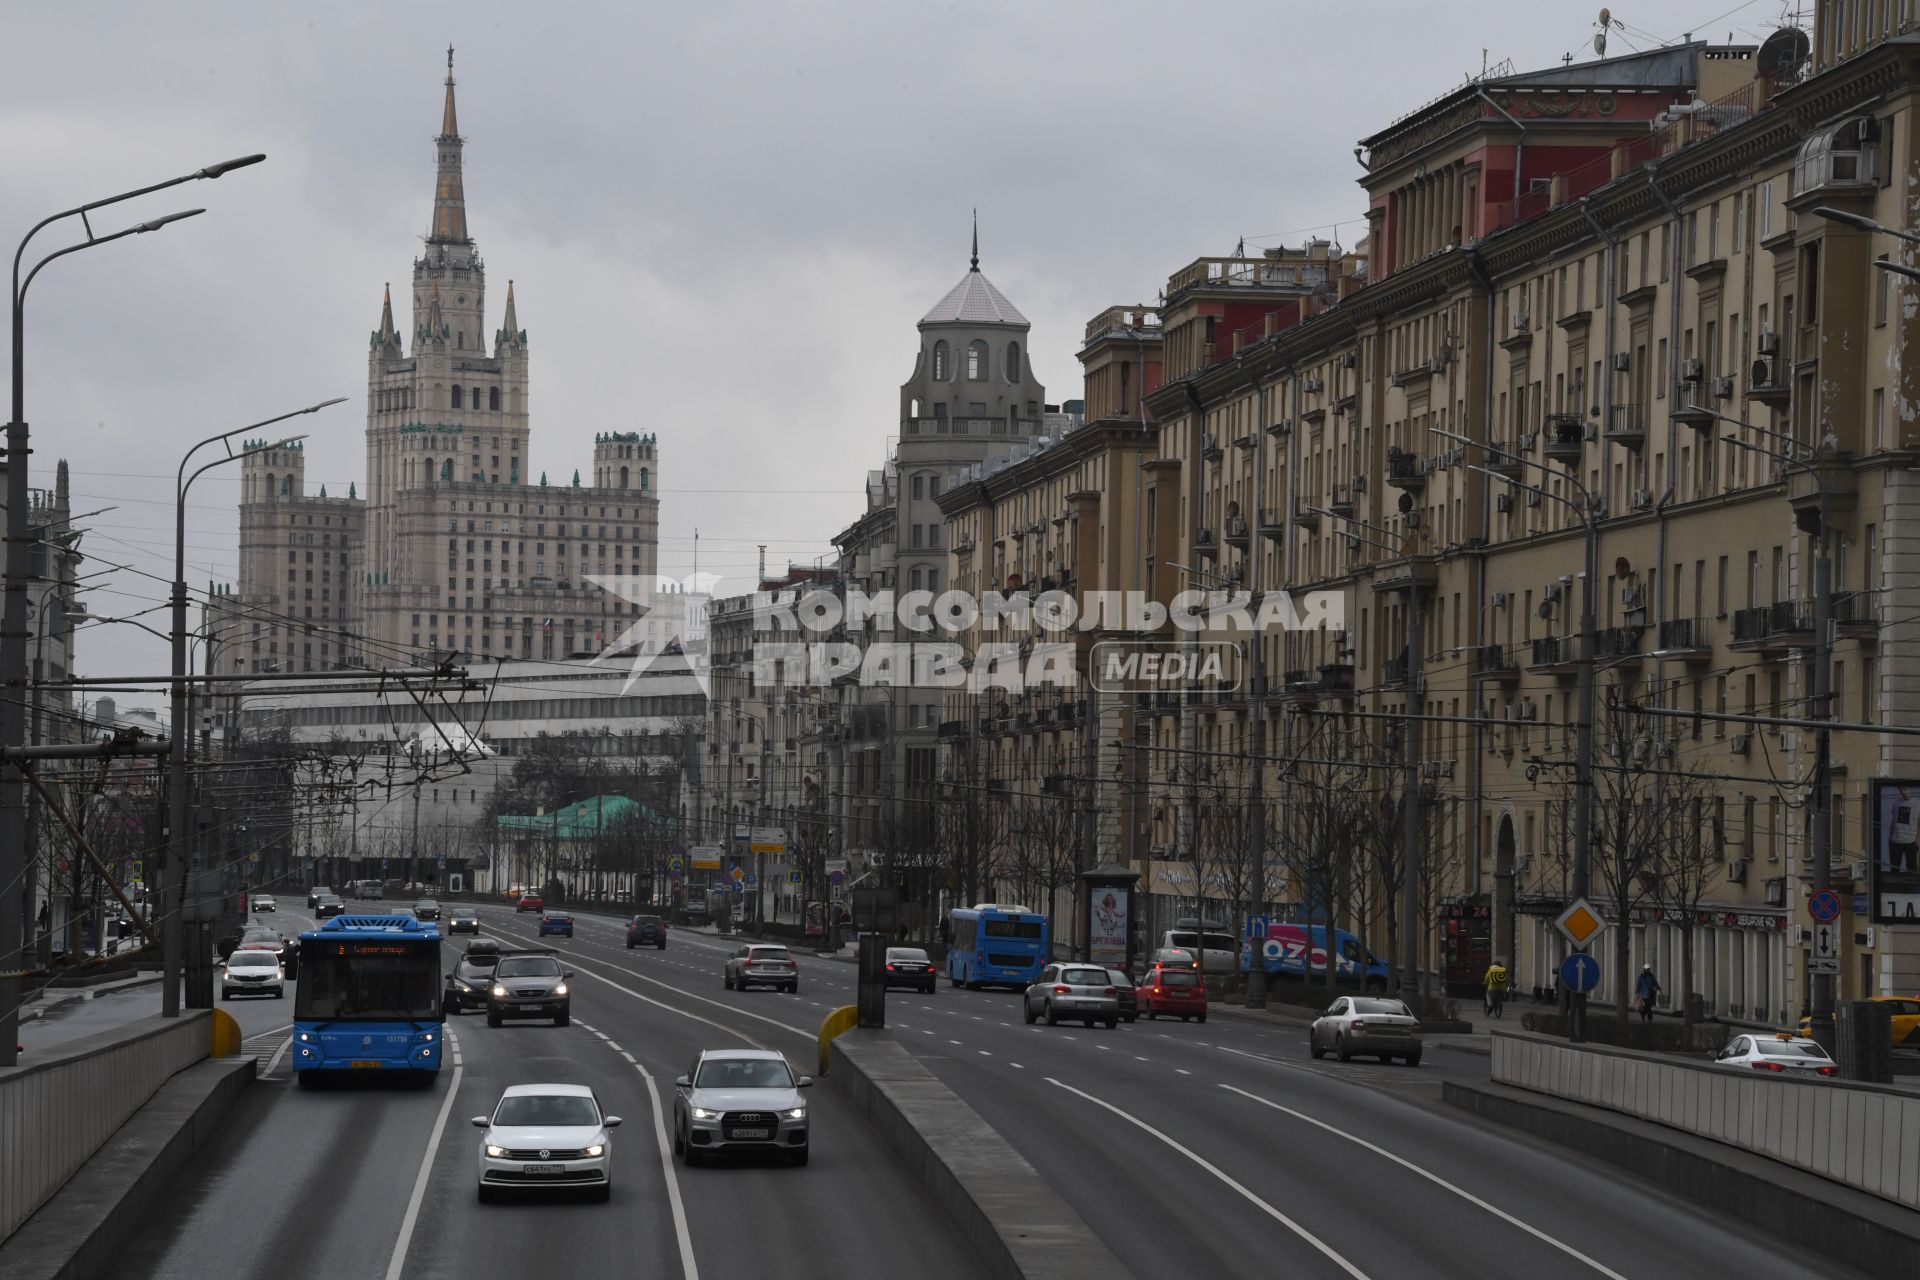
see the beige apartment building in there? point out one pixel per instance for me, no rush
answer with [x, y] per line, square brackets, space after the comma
[1609, 279]
[456, 546]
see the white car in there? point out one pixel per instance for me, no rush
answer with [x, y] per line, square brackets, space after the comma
[252, 972]
[546, 1136]
[740, 1100]
[762, 964]
[263, 902]
[1783, 1053]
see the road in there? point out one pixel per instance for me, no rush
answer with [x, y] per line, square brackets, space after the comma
[1216, 1149]
[375, 1181]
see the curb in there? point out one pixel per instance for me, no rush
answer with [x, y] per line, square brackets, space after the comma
[80, 1231]
[1848, 1226]
[1018, 1225]
[41, 1007]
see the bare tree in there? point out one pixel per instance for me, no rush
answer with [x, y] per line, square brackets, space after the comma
[1687, 864]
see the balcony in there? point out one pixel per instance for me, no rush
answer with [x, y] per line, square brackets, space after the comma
[1204, 545]
[1693, 405]
[1618, 644]
[1393, 672]
[1566, 438]
[1772, 628]
[1627, 425]
[1503, 460]
[1238, 535]
[1557, 655]
[953, 730]
[1853, 614]
[1404, 471]
[1337, 678]
[1686, 639]
[1341, 503]
[1768, 383]
[1273, 522]
[1210, 448]
[1412, 573]
[1828, 481]
[1494, 662]
[1300, 687]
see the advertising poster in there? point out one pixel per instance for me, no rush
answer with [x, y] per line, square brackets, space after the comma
[1107, 932]
[1896, 861]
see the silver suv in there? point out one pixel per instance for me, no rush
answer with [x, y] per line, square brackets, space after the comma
[740, 1100]
[1082, 992]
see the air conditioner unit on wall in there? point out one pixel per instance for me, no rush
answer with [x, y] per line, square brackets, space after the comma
[1740, 743]
[1737, 871]
[1503, 503]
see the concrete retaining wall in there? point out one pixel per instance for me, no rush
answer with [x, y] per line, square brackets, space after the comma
[1014, 1219]
[1861, 1136]
[58, 1110]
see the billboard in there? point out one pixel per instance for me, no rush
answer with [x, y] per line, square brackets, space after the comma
[1107, 929]
[1896, 851]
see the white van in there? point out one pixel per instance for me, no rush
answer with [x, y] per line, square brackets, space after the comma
[1219, 952]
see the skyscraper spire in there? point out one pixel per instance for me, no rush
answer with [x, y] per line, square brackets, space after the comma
[511, 322]
[449, 193]
[976, 239]
[387, 332]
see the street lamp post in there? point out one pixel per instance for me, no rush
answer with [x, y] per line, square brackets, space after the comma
[200, 971]
[1588, 510]
[13, 614]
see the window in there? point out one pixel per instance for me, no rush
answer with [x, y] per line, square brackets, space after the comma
[1882, 285]
[1013, 362]
[977, 360]
[493, 402]
[933, 486]
[456, 395]
[919, 486]
[940, 361]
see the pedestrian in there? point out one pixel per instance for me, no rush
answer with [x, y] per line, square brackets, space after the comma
[1496, 984]
[946, 931]
[1646, 989]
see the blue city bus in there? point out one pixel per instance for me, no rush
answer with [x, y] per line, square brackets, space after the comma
[368, 999]
[992, 945]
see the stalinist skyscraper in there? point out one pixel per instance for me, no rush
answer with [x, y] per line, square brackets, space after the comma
[458, 545]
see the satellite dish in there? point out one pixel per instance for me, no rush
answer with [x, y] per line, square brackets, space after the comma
[1600, 43]
[1406, 501]
[1606, 17]
[1546, 609]
[1784, 51]
[1621, 567]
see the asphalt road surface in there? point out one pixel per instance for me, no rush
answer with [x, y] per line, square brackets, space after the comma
[1210, 1150]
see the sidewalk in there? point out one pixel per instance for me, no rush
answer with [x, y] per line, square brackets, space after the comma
[55, 1015]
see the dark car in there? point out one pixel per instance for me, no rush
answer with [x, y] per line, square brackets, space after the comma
[316, 893]
[328, 907]
[529, 984]
[556, 923]
[426, 909]
[470, 984]
[909, 967]
[463, 920]
[1129, 998]
[257, 937]
[647, 931]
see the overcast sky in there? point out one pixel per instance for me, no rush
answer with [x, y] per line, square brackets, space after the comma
[723, 220]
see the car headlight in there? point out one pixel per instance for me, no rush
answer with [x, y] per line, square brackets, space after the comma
[496, 1152]
[463, 986]
[798, 1113]
[304, 1037]
[597, 1149]
[560, 989]
[499, 990]
[701, 1113]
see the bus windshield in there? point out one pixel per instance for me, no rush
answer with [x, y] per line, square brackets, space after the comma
[390, 981]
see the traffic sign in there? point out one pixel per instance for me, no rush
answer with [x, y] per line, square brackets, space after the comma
[1826, 942]
[794, 878]
[1256, 926]
[738, 888]
[1824, 964]
[737, 874]
[750, 880]
[1824, 906]
[1579, 923]
[1580, 973]
[676, 863]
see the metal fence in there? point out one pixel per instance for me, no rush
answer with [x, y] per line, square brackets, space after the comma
[55, 1113]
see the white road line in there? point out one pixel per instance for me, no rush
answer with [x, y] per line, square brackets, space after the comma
[1183, 1071]
[983, 1053]
[278, 1054]
[1217, 1172]
[1436, 1179]
[1016, 1066]
[396, 1265]
[1138, 1058]
[953, 1042]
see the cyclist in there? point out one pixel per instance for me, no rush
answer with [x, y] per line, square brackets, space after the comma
[1496, 984]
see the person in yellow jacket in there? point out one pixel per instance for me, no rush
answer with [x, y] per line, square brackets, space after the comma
[1496, 983]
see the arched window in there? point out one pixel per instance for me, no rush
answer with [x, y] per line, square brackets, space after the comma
[429, 471]
[623, 477]
[977, 360]
[940, 373]
[271, 490]
[493, 399]
[643, 479]
[286, 486]
[1013, 362]
[456, 395]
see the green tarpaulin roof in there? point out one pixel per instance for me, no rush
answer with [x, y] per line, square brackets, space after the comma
[584, 819]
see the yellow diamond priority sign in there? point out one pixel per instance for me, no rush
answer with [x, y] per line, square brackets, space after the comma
[1580, 923]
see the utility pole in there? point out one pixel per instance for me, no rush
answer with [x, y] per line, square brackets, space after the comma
[1257, 694]
[1821, 1010]
[1410, 808]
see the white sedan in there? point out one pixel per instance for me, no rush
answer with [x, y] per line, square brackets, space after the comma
[546, 1136]
[1781, 1053]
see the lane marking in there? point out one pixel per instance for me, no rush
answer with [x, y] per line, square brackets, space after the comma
[396, 1265]
[278, 1054]
[1224, 1177]
[1183, 1071]
[681, 1232]
[1437, 1180]
[1016, 1066]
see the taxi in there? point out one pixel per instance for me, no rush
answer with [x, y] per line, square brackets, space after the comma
[1904, 1012]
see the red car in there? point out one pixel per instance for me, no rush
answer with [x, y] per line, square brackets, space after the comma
[530, 902]
[1175, 992]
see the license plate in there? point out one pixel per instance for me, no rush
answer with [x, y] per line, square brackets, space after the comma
[543, 1168]
[362, 1062]
[747, 1133]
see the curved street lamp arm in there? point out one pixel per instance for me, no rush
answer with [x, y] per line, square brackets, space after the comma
[1586, 495]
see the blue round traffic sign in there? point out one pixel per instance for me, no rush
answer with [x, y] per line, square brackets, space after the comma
[1580, 973]
[1824, 906]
